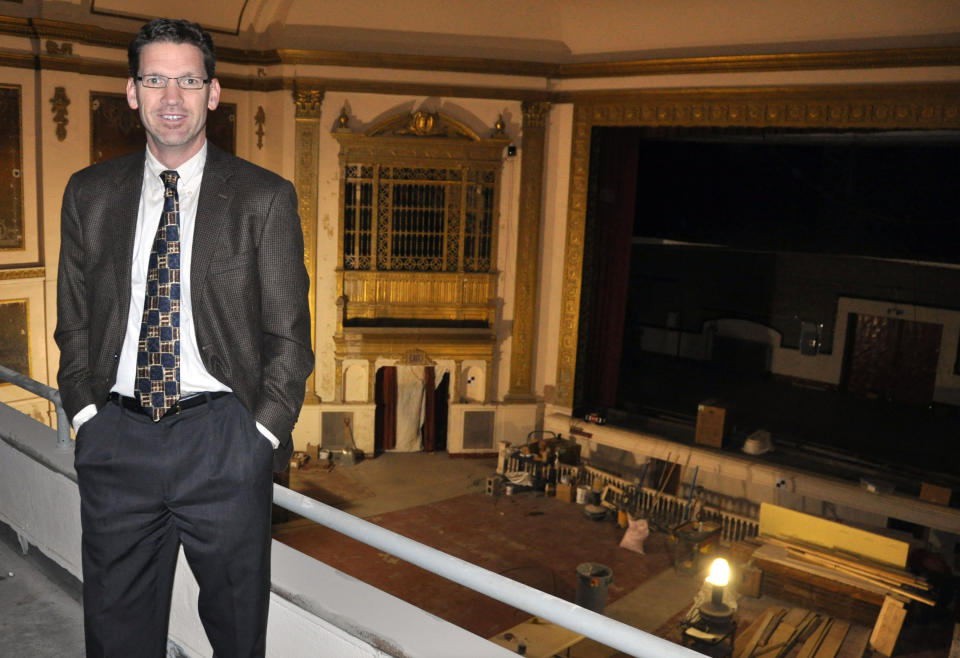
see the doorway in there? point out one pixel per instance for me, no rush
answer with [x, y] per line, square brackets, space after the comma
[411, 409]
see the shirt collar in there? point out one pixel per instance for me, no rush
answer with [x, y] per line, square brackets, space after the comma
[190, 172]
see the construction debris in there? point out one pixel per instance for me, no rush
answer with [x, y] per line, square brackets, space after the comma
[779, 631]
[894, 581]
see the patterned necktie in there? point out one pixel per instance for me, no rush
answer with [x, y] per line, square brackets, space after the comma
[158, 351]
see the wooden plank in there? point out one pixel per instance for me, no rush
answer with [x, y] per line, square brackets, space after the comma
[782, 634]
[813, 642]
[788, 524]
[834, 640]
[747, 642]
[870, 579]
[887, 629]
[812, 587]
[896, 576]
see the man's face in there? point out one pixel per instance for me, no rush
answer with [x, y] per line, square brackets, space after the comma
[174, 118]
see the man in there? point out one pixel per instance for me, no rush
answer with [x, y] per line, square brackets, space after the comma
[184, 332]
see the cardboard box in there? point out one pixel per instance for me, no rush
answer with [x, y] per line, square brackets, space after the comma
[565, 492]
[934, 494]
[750, 578]
[711, 416]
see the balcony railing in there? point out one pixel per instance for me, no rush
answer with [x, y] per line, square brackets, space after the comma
[590, 624]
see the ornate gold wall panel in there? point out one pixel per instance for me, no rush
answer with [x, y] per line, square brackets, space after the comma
[913, 107]
[307, 162]
[12, 230]
[528, 251]
[15, 335]
[419, 296]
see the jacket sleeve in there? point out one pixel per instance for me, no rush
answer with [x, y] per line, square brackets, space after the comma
[72, 332]
[286, 354]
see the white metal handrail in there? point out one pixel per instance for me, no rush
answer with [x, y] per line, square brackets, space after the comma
[604, 630]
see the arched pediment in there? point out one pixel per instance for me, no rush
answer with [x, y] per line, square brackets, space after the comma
[423, 124]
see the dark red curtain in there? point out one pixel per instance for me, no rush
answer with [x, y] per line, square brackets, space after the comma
[429, 429]
[616, 209]
[385, 422]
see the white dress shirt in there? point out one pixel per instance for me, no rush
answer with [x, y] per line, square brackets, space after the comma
[194, 377]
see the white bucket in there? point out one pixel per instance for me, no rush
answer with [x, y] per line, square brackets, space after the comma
[583, 495]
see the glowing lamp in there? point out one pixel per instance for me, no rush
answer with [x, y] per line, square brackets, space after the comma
[719, 573]
[716, 613]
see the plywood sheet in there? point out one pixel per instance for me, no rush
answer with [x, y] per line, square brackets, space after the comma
[789, 524]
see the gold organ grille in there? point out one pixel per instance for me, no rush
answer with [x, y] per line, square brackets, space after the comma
[419, 220]
[419, 213]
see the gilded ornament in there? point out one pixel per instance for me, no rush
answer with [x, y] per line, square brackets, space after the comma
[343, 121]
[260, 118]
[53, 48]
[308, 102]
[59, 104]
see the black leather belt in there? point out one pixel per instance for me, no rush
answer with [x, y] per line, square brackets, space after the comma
[183, 404]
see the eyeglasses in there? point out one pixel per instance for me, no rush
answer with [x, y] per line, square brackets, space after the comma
[157, 81]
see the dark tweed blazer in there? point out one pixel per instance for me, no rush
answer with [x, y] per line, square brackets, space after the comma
[248, 284]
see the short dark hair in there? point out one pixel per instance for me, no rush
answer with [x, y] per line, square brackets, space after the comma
[167, 30]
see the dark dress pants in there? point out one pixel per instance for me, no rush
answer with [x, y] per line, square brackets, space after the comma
[201, 479]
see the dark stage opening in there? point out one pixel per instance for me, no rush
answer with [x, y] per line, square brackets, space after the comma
[715, 262]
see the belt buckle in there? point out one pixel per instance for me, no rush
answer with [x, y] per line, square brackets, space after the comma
[176, 408]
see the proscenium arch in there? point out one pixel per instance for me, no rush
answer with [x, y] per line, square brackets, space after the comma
[883, 107]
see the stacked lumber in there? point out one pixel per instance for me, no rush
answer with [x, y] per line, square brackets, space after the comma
[891, 580]
[779, 631]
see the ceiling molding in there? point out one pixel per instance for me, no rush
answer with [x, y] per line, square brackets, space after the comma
[417, 62]
[863, 59]
[860, 59]
[95, 11]
[926, 105]
[417, 89]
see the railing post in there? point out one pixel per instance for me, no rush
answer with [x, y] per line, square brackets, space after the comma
[63, 424]
[44, 391]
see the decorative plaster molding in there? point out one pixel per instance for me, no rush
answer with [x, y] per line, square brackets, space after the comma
[54, 48]
[307, 162]
[528, 260]
[308, 102]
[17, 274]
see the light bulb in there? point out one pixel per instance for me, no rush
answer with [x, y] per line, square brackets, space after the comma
[719, 572]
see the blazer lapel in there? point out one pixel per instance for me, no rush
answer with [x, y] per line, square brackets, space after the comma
[212, 214]
[124, 217]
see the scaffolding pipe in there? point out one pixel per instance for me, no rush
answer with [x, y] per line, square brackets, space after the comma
[597, 627]
[44, 391]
